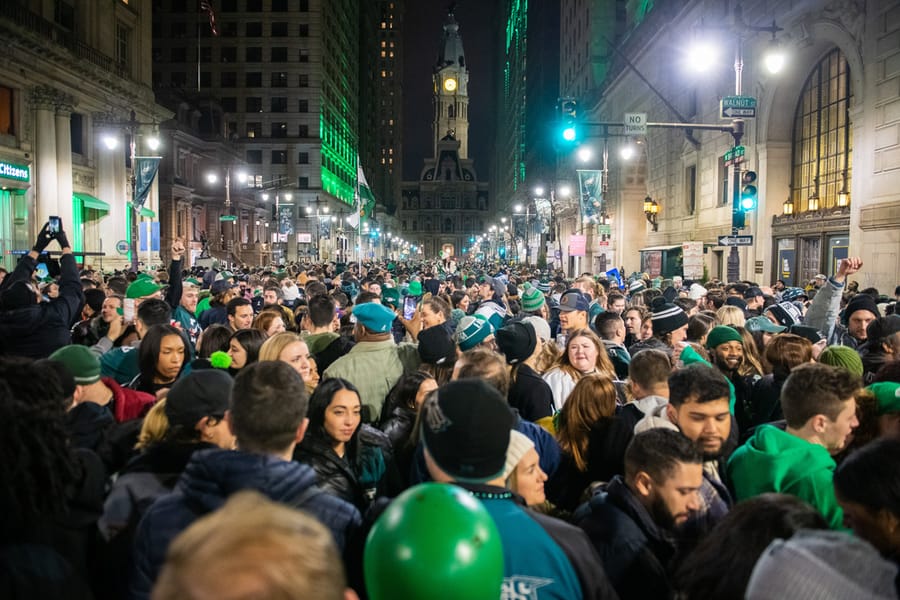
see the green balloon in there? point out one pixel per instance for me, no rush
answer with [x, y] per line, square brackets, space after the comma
[435, 541]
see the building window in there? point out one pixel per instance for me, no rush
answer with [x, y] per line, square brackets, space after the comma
[724, 178]
[253, 55]
[228, 54]
[304, 55]
[178, 54]
[279, 29]
[303, 183]
[253, 105]
[303, 158]
[690, 188]
[304, 30]
[254, 157]
[123, 41]
[253, 29]
[303, 105]
[253, 80]
[279, 5]
[228, 79]
[279, 104]
[229, 29]
[205, 79]
[304, 6]
[303, 131]
[279, 130]
[178, 79]
[254, 130]
[7, 111]
[822, 141]
[279, 55]
[76, 130]
[304, 80]
[64, 15]
[279, 157]
[254, 5]
[229, 5]
[279, 79]
[205, 55]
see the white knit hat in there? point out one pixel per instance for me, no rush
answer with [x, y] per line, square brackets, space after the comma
[697, 291]
[821, 565]
[519, 444]
[541, 327]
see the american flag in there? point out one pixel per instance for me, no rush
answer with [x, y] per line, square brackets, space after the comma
[206, 7]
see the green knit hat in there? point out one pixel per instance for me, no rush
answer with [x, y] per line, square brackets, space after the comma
[471, 331]
[80, 362]
[887, 395]
[532, 298]
[721, 334]
[844, 357]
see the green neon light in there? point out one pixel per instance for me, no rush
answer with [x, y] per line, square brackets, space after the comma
[14, 171]
[77, 224]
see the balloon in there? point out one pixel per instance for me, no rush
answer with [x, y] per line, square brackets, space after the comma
[435, 541]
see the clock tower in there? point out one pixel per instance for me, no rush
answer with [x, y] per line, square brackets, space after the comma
[451, 90]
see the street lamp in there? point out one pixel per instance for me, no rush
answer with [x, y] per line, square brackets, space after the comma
[227, 217]
[651, 210]
[146, 171]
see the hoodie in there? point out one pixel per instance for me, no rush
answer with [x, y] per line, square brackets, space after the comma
[777, 461]
[209, 478]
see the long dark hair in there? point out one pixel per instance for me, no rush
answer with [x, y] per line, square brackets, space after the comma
[148, 352]
[404, 393]
[719, 568]
[38, 466]
[318, 403]
[251, 340]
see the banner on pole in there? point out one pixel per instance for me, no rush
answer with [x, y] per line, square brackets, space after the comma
[145, 169]
[590, 184]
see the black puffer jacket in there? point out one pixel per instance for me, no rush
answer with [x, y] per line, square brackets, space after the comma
[38, 330]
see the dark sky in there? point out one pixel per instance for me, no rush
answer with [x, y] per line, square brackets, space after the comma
[422, 26]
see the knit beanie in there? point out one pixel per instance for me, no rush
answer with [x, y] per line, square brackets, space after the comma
[860, 302]
[18, 295]
[516, 341]
[94, 298]
[532, 298]
[435, 346]
[844, 357]
[80, 362]
[636, 286]
[666, 317]
[697, 291]
[544, 286]
[471, 331]
[821, 565]
[785, 313]
[721, 334]
[541, 327]
[519, 444]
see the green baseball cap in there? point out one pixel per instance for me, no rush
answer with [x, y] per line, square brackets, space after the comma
[887, 396]
[142, 287]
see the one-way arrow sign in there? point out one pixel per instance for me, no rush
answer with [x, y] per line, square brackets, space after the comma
[735, 240]
[739, 112]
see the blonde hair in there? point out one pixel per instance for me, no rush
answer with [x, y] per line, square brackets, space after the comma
[273, 347]
[592, 400]
[548, 357]
[252, 548]
[731, 315]
[154, 427]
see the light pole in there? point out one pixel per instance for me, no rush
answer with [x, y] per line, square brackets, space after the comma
[518, 210]
[229, 220]
[147, 170]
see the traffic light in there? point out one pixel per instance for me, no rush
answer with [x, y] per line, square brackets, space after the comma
[748, 191]
[567, 135]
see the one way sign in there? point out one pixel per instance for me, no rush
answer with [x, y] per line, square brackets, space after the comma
[735, 240]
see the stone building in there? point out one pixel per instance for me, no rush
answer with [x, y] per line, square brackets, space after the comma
[824, 140]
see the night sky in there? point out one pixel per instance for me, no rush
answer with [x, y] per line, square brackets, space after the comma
[422, 26]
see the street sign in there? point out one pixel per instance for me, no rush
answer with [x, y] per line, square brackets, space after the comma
[604, 229]
[732, 107]
[228, 218]
[635, 123]
[734, 156]
[735, 240]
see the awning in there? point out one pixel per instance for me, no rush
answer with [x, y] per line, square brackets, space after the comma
[146, 212]
[88, 201]
[652, 248]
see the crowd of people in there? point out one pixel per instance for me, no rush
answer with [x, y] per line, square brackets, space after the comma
[431, 429]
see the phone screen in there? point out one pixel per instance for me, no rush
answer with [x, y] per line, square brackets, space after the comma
[54, 224]
[42, 271]
[409, 307]
[128, 311]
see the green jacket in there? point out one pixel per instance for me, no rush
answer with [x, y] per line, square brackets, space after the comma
[374, 368]
[777, 461]
[316, 342]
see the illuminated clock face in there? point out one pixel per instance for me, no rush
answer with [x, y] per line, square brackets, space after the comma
[450, 84]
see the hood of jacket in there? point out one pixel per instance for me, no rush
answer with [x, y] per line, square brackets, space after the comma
[319, 341]
[655, 419]
[213, 475]
[775, 456]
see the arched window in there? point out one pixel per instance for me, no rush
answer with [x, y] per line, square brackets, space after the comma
[822, 140]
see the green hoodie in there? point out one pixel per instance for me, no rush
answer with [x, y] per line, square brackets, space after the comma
[777, 461]
[316, 342]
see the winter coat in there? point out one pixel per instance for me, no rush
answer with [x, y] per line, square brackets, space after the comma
[211, 476]
[777, 461]
[326, 348]
[561, 385]
[619, 357]
[38, 330]
[352, 480]
[636, 554]
[398, 426]
[530, 395]
[763, 405]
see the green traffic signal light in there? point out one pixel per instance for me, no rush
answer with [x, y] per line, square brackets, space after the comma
[748, 191]
[569, 134]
